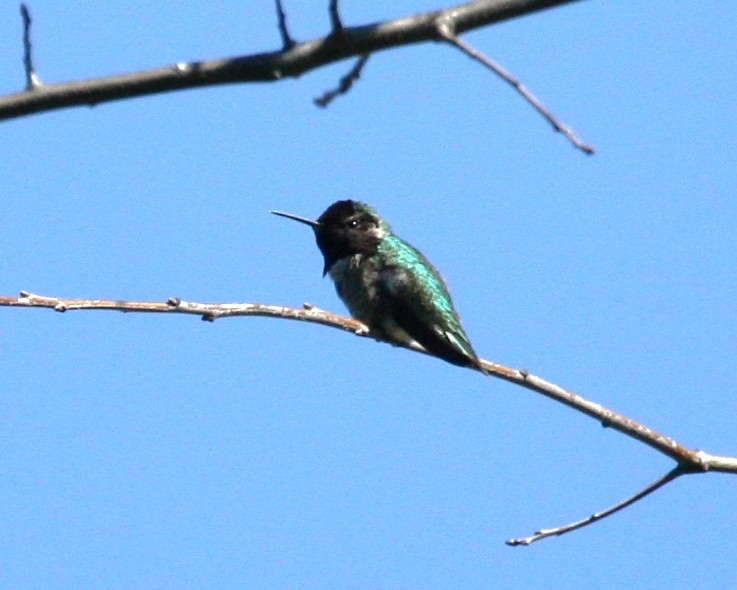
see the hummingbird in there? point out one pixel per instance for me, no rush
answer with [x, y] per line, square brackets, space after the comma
[388, 284]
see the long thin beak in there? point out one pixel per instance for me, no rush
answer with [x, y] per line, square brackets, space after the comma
[310, 222]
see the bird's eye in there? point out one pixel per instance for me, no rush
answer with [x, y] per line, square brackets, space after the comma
[353, 223]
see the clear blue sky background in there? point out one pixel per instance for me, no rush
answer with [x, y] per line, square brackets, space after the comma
[147, 451]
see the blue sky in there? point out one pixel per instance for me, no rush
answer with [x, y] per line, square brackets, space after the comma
[142, 451]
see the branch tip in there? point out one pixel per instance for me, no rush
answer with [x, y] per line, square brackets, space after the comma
[32, 80]
[445, 32]
[597, 516]
[345, 83]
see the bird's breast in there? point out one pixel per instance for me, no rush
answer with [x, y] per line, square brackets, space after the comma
[356, 282]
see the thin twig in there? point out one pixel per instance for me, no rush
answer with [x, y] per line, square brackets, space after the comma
[345, 84]
[556, 532]
[286, 38]
[446, 33]
[32, 80]
[335, 22]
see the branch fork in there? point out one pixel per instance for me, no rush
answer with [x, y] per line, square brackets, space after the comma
[292, 60]
[687, 461]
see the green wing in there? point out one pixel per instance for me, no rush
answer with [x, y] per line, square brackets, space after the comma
[426, 312]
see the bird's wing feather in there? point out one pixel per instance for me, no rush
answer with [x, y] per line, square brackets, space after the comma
[434, 324]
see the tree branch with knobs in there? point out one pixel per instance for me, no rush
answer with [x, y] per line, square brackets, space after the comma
[687, 460]
[291, 61]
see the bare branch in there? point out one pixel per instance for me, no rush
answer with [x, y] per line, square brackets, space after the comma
[206, 311]
[286, 38]
[558, 125]
[556, 532]
[689, 461]
[32, 80]
[345, 84]
[272, 66]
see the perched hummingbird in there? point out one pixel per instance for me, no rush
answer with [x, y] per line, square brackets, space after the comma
[388, 284]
